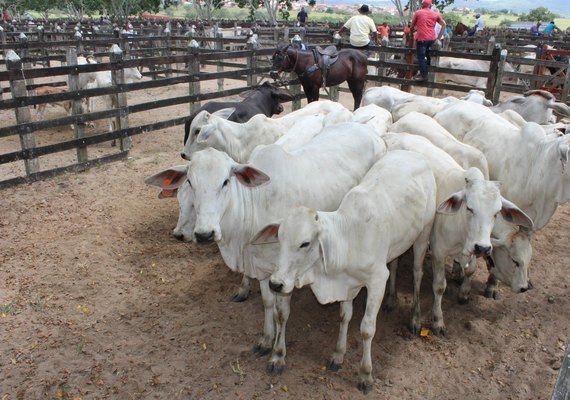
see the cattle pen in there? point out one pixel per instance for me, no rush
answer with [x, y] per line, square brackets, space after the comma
[98, 300]
[170, 61]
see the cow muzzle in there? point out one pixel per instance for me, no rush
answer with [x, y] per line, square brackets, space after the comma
[529, 287]
[482, 250]
[204, 237]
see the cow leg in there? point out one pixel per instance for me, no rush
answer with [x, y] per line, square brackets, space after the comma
[265, 343]
[391, 301]
[375, 294]
[420, 249]
[438, 286]
[282, 310]
[243, 291]
[465, 289]
[492, 288]
[338, 356]
[457, 273]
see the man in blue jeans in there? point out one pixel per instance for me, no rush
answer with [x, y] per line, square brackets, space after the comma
[423, 22]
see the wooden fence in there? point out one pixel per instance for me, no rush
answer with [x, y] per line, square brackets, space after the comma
[163, 59]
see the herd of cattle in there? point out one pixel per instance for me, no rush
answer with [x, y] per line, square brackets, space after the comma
[330, 198]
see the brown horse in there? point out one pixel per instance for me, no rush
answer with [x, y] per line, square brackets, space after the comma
[351, 66]
[460, 29]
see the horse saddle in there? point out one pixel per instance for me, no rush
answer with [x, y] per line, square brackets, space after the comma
[326, 57]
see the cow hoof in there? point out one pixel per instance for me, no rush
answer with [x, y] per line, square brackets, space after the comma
[364, 387]
[492, 294]
[261, 351]
[439, 331]
[274, 368]
[463, 300]
[238, 298]
[333, 366]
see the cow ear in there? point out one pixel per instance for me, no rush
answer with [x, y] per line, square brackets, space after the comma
[283, 95]
[224, 112]
[452, 204]
[167, 193]
[512, 214]
[563, 149]
[268, 234]
[249, 176]
[170, 178]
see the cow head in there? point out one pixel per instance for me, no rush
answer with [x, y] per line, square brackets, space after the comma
[214, 178]
[301, 246]
[483, 203]
[510, 259]
[204, 132]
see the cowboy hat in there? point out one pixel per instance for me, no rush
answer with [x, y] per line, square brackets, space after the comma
[364, 9]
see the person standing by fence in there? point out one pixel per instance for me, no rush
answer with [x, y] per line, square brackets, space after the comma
[360, 27]
[384, 30]
[423, 22]
[302, 17]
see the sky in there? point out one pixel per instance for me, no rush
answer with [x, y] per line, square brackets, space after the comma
[561, 7]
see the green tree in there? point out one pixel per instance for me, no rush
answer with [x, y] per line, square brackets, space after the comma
[451, 18]
[271, 6]
[538, 14]
[205, 9]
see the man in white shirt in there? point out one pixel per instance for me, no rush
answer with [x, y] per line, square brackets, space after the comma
[360, 27]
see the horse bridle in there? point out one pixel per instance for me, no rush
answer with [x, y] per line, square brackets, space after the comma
[280, 81]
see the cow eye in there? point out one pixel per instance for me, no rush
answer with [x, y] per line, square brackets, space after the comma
[517, 264]
[189, 183]
[225, 183]
[196, 132]
[469, 209]
[304, 244]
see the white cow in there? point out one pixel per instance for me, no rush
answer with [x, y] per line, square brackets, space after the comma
[425, 105]
[534, 106]
[532, 170]
[468, 206]
[384, 96]
[374, 116]
[338, 253]
[466, 64]
[465, 155]
[236, 137]
[228, 211]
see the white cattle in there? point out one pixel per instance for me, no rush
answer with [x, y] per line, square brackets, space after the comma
[534, 106]
[467, 207]
[103, 79]
[461, 117]
[466, 64]
[532, 170]
[338, 253]
[228, 211]
[465, 155]
[283, 124]
[384, 96]
[425, 105]
[374, 116]
[474, 96]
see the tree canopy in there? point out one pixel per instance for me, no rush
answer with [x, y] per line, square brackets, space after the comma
[538, 14]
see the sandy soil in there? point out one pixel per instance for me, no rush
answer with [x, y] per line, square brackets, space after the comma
[98, 300]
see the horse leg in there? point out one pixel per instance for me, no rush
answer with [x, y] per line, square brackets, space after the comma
[311, 92]
[356, 87]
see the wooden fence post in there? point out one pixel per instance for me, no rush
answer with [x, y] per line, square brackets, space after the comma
[120, 99]
[166, 51]
[26, 55]
[252, 46]
[492, 76]
[3, 41]
[566, 86]
[499, 81]
[295, 90]
[431, 75]
[23, 116]
[79, 46]
[194, 69]
[219, 46]
[491, 45]
[333, 93]
[73, 81]
[381, 70]
[44, 51]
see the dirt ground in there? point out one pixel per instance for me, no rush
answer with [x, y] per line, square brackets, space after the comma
[99, 301]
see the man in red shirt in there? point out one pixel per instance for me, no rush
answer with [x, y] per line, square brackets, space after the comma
[424, 23]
